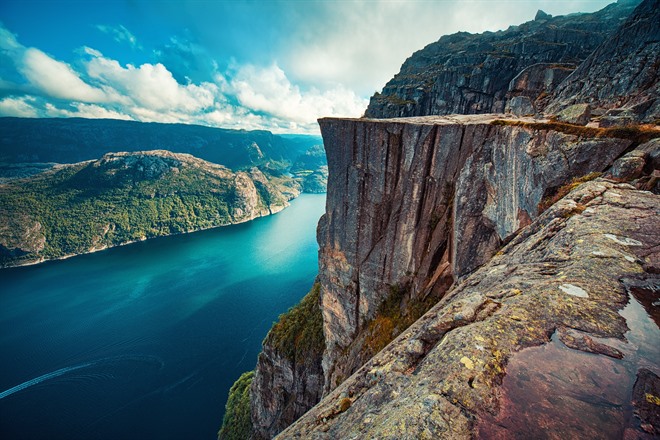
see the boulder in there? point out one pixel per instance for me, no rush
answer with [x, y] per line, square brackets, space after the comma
[579, 114]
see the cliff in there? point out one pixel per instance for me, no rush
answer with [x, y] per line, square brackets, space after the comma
[553, 335]
[492, 222]
[124, 197]
[413, 205]
[480, 73]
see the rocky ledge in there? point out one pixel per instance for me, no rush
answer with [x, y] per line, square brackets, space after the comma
[416, 204]
[552, 335]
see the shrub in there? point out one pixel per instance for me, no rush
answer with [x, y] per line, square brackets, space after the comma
[236, 425]
[298, 334]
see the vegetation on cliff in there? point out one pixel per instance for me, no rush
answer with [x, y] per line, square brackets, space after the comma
[638, 134]
[236, 424]
[395, 314]
[298, 334]
[125, 197]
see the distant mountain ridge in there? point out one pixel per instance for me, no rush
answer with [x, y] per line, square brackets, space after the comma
[70, 140]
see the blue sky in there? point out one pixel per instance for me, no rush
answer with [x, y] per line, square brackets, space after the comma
[275, 65]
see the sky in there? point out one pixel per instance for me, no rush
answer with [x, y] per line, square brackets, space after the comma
[276, 65]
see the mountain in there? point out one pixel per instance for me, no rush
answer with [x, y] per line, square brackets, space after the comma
[623, 73]
[30, 145]
[474, 73]
[485, 275]
[124, 197]
[69, 140]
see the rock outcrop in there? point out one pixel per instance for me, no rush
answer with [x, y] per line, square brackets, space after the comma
[623, 72]
[469, 215]
[549, 336]
[288, 378]
[478, 73]
[413, 205]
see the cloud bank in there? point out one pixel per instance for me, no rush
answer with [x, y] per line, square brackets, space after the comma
[247, 96]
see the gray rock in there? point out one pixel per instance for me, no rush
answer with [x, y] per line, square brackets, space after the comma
[537, 82]
[629, 166]
[469, 74]
[623, 71]
[579, 114]
[420, 202]
[417, 202]
[500, 372]
[282, 391]
[520, 106]
[541, 15]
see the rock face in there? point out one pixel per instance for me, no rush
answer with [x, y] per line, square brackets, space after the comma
[532, 87]
[623, 72]
[414, 204]
[283, 391]
[288, 378]
[579, 351]
[419, 209]
[467, 74]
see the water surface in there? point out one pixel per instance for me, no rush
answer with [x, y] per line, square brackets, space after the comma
[144, 341]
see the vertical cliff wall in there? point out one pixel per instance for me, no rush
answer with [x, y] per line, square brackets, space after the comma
[415, 203]
[565, 310]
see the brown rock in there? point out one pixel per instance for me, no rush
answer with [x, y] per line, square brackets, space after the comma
[485, 362]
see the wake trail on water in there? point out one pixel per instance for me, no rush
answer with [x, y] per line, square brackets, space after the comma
[65, 370]
[40, 379]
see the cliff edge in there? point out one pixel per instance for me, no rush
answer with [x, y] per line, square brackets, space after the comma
[499, 240]
[557, 333]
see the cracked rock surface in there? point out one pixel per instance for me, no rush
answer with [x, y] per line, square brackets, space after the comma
[561, 297]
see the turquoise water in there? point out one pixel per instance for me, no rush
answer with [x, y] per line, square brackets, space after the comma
[144, 341]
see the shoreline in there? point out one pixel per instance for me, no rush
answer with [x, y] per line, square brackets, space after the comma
[103, 248]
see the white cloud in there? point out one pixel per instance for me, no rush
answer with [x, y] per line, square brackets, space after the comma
[57, 79]
[151, 86]
[120, 34]
[82, 110]
[20, 107]
[8, 41]
[269, 90]
[362, 44]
